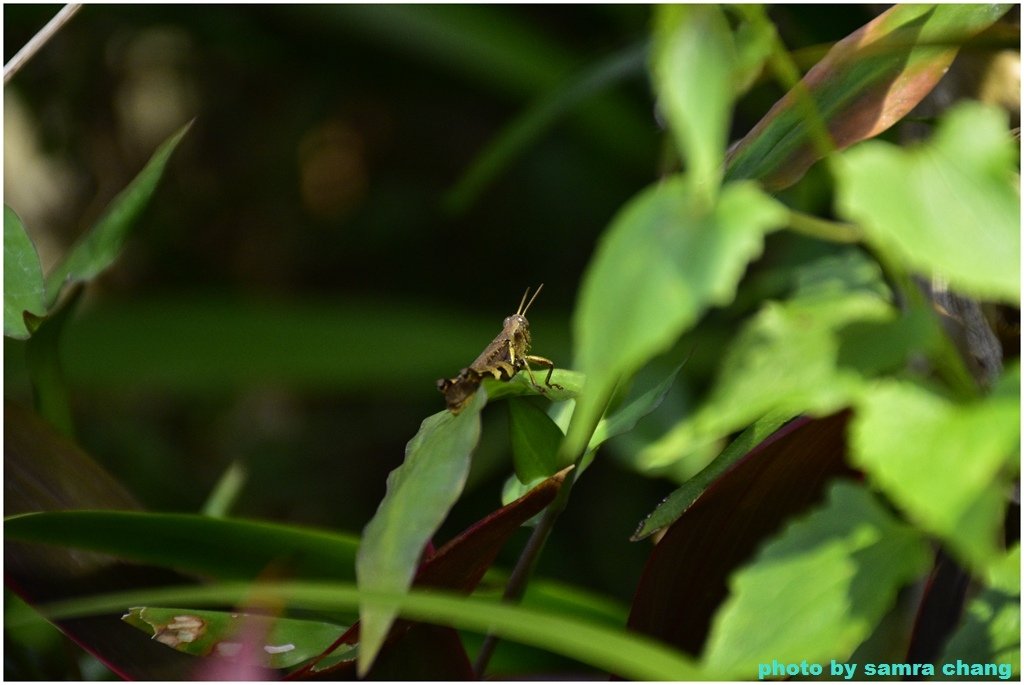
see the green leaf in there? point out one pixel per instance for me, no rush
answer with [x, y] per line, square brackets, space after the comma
[660, 264]
[990, 630]
[948, 208]
[816, 591]
[946, 464]
[535, 440]
[786, 359]
[419, 495]
[867, 82]
[625, 418]
[43, 359]
[102, 244]
[692, 64]
[626, 654]
[229, 549]
[23, 278]
[286, 642]
[755, 39]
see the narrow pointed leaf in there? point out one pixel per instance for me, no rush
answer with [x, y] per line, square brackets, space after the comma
[102, 244]
[867, 82]
[535, 440]
[757, 436]
[458, 565]
[23, 277]
[419, 495]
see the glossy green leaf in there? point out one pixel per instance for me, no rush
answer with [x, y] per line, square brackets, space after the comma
[832, 576]
[23, 277]
[867, 82]
[692, 62]
[535, 440]
[102, 244]
[520, 385]
[948, 208]
[419, 495]
[661, 263]
[625, 654]
[286, 642]
[945, 464]
[222, 548]
[989, 632]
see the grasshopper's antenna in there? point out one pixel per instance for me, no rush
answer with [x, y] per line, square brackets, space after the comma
[535, 294]
[520, 309]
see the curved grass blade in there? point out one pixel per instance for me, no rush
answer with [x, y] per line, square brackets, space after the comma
[224, 548]
[627, 655]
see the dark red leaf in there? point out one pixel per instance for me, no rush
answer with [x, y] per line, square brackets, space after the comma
[684, 581]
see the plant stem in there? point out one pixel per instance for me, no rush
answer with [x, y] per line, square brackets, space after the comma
[516, 585]
[834, 231]
[39, 40]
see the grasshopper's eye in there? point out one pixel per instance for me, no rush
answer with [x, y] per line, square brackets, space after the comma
[507, 321]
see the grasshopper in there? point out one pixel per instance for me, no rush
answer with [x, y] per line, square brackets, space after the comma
[507, 355]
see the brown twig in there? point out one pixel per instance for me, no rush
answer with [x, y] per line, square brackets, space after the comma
[39, 40]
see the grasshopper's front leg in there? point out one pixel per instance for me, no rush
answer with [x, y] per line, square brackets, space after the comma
[542, 361]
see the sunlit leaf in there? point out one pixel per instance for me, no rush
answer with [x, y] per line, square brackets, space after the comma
[102, 244]
[946, 464]
[23, 277]
[661, 263]
[832, 576]
[692, 62]
[989, 633]
[948, 208]
[419, 495]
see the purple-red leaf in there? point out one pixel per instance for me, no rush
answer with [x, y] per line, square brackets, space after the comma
[685, 578]
[866, 83]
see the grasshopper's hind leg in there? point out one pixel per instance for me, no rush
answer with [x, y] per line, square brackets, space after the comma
[541, 361]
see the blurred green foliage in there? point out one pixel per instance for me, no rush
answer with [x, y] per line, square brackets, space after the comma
[324, 244]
